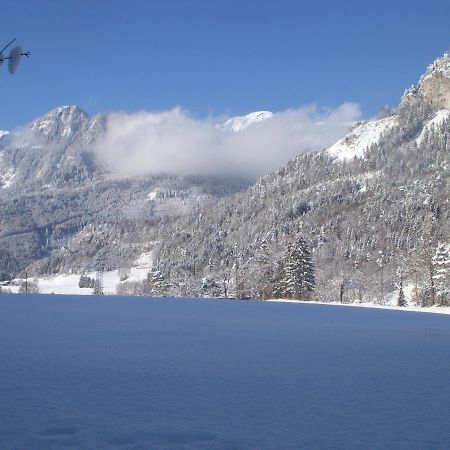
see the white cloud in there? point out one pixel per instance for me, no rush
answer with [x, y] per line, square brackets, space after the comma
[174, 142]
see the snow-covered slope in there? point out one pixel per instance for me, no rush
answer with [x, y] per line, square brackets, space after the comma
[437, 118]
[240, 123]
[361, 138]
[7, 173]
[3, 133]
[6, 178]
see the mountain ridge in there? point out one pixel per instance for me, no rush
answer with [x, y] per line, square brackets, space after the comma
[373, 208]
[364, 205]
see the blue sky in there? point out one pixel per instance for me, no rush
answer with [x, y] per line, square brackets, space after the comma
[216, 57]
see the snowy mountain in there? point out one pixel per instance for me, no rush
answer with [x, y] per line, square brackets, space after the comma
[372, 210]
[61, 209]
[61, 122]
[240, 123]
[434, 85]
[433, 89]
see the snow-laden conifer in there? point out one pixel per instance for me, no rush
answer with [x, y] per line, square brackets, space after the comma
[298, 278]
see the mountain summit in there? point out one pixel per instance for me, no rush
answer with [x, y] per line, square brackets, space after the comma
[61, 122]
[433, 87]
[435, 84]
[240, 123]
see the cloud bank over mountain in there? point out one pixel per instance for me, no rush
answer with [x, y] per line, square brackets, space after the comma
[175, 142]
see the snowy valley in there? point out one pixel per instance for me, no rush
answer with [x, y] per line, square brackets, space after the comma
[365, 221]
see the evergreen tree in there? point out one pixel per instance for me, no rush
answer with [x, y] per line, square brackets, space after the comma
[98, 283]
[155, 285]
[277, 279]
[86, 281]
[401, 299]
[298, 280]
[441, 269]
[264, 273]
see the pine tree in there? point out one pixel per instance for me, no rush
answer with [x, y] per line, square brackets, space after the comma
[86, 281]
[155, 285]
[298, 280]
[441, 271]
[277, 279]
[401, 299]
[264, 277]
[98, 283]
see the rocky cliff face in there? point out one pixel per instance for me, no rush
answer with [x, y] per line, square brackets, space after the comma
[434, 86]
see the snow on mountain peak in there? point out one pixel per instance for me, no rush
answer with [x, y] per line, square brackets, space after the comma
[434, 86]
[441, 66]
[62, 121]
[240, 123]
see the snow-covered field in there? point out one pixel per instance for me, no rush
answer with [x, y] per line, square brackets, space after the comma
[431, 309]
[390, 303]
[67, 284]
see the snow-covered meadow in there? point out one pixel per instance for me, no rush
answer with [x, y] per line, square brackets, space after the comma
[67, 283]
[410, 308]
